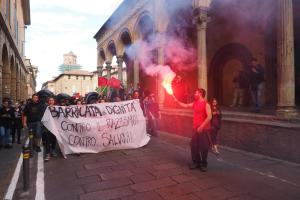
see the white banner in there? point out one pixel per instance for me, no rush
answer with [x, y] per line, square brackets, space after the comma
[97, 127]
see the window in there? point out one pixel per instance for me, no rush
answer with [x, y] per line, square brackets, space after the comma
[69, 76]
[83, 77]
[76, 77]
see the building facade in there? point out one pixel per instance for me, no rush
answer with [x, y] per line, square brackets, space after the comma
[30, 78]
[207, 42]
[14, 17]
[74, 81]
[225, 36]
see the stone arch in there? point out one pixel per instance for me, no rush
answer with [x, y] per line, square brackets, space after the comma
[182, 33]
[101, 56]
[225, 64]
[125, 40]
[5, 72]
[145, 30]
[111, 50]
[144, 27]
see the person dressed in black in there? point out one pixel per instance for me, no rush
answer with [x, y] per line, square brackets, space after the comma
[33, 114]
[6, 122]
[152, 113]
[17, 127]
[241, 84]
[256, 78]
[215, 124]
[50, 139]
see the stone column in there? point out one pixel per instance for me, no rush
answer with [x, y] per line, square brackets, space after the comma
[160, 89]
[108, 76]
[1, 91]
[286, 60]
[136, 73]
[13, 86]
[21, 90]
[201, 19]
[120, 68]
[108, 68]
[18, 87]
[100, 70]
[6, 84]
[26, 91]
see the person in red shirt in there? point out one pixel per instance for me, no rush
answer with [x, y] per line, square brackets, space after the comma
[200, 142]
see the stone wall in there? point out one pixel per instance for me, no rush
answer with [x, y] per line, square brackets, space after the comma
[254, 133]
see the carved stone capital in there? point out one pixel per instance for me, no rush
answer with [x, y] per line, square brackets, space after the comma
[201, 17]
[108, 66]
[120, 60]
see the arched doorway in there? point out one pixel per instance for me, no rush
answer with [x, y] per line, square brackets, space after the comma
[6, 87]
[145, 28]
[128, 62]
[225, 64]
[113, 52]
[181, 50]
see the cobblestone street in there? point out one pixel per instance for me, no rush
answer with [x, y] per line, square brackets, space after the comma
[160, 171]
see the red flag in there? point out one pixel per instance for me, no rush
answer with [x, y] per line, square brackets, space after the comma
[102, 81]
[115, 83]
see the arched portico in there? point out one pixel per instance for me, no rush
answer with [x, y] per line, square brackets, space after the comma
[6, 82]
[225, 64]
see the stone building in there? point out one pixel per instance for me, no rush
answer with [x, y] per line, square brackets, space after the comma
[74, 81]
[70, 63]
[30, 78]
[225, 35]
[14, 17]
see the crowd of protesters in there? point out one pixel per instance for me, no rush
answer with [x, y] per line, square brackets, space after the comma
[10, 122]
[28, 115]
[18, 118]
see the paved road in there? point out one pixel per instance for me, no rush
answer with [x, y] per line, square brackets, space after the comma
[8, 162]
[159, 171]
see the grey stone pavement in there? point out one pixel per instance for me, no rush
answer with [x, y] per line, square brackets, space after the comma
[8, 162]
[160, 171]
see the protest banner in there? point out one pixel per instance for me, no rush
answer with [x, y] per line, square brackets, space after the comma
[97, 127]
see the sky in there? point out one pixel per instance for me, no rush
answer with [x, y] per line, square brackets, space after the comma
[60, 26]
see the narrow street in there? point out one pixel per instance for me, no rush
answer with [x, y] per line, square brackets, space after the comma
[160, 171]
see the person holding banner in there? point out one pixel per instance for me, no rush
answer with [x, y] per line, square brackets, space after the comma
[50, 139]
[200, 142]
[33, 113]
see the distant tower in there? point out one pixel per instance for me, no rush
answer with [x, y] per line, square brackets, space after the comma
[70, 63]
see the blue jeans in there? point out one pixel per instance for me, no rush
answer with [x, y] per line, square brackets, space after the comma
[5, 134]
[36, 128]
[257, 96]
